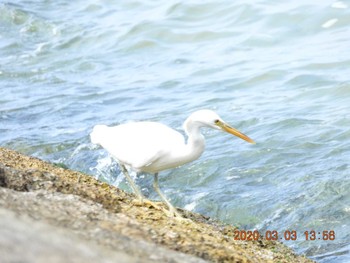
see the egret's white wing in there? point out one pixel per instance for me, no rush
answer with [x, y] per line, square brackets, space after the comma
[137, 144]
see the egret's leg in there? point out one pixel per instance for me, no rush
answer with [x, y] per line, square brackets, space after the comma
[141, 199]
[131, 182]
[172, 209]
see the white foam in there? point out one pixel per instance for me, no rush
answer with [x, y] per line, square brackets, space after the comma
[191, 206]
[339, 5]
[330, 23]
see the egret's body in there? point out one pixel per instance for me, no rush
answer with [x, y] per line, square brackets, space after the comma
[145, 146]
[152, 147]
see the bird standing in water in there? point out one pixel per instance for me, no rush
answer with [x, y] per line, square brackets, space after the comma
[152, 147]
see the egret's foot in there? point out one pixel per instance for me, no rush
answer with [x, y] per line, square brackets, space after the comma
[173, 213]
[146, 202]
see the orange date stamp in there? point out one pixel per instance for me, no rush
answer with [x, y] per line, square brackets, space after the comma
[286, 235]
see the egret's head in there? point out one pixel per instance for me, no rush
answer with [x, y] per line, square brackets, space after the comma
[210, 119]
[205, 118]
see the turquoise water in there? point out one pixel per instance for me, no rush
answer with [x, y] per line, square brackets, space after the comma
[280, 72]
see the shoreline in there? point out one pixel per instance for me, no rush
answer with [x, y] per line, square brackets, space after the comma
[104, 218]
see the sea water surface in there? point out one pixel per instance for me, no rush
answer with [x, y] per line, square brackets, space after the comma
[278, 71]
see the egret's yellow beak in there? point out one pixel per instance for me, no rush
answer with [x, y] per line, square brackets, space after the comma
[229, 129]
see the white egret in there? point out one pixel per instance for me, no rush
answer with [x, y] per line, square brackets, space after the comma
[152, 147]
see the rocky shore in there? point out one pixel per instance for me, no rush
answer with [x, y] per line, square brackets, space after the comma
[52, 214]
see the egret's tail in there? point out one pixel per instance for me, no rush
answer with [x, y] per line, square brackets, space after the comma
[98, 133]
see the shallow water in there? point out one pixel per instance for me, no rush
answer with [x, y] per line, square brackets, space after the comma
[278, 72]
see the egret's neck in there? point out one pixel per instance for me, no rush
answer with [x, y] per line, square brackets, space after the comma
[195, 142]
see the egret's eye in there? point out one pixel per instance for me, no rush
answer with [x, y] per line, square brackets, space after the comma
[216, 121]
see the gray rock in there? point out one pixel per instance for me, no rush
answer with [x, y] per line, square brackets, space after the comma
[24, 240]
[43, 226]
